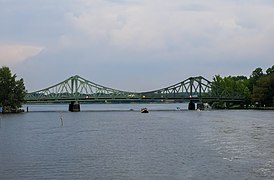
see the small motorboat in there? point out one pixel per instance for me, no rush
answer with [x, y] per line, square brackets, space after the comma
[144, 110]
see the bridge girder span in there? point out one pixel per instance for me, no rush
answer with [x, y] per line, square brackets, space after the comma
[191, 87]
[77, 88]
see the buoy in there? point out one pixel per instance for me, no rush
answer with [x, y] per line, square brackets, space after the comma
[61, 119]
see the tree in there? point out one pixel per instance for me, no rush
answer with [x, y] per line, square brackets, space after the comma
[12, 91]
[231, 87]
[237, 78]
[270, 70]
[263, 92]
[256, 74]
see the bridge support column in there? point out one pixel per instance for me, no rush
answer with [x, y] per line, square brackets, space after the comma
[191, 105]
[74, 106]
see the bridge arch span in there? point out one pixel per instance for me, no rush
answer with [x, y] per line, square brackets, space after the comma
[76, 89]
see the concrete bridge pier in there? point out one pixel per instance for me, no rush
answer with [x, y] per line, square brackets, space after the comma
[74, 106]
[191, 105]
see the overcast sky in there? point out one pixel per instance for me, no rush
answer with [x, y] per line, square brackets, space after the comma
[134, 45]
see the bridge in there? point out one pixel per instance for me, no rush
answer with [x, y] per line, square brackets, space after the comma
[77, 89]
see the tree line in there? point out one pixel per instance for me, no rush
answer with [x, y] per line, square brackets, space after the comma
[257, 89]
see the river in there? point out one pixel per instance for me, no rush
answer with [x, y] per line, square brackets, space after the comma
[116, 141]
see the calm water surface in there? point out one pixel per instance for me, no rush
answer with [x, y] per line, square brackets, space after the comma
[113, 142]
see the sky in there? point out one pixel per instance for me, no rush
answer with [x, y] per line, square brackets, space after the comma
[134, 45]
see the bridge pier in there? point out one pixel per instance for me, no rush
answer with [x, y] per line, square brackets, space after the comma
[74, 106]
[191, 105]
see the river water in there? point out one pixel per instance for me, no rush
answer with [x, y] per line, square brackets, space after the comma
[119, 142]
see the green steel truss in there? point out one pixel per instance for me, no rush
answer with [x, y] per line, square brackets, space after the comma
[77, 88]
[193, 87]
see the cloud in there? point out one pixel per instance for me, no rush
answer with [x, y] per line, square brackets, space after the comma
[191, 27]
[178, 28]
[17, 53]
[106, 40]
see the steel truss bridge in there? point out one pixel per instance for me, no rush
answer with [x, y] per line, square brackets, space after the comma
[78, 89]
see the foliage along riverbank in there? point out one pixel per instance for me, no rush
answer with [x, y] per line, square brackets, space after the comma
[12, 91]
[257, 90]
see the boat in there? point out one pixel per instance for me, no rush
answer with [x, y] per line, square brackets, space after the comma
[144, 110]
